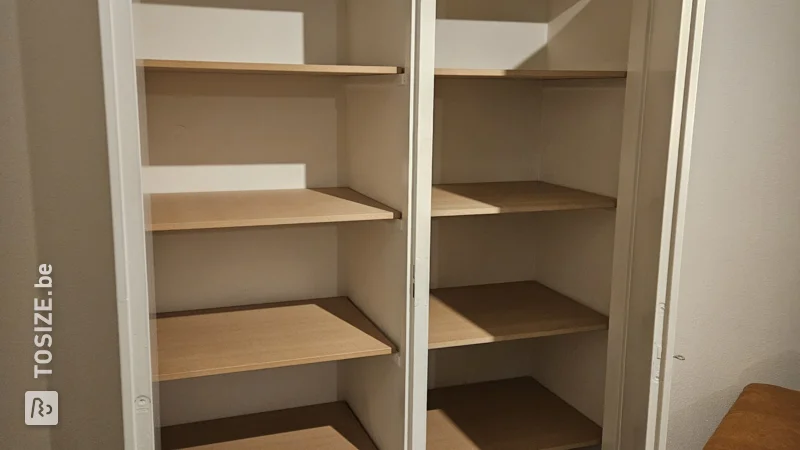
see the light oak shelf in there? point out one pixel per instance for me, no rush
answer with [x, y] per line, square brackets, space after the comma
[238, 339]
[531, 74]
[320, 427]
[474, 199]
[502, 312]
[203, 210]
[167, 65]
[515, 414]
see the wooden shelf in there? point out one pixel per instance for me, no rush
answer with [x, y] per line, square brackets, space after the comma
[516, 414]
[166, 65]
[474, 199]
[320, 427]
[226, 340]
[531, 74]
[502, 312]
[191, 211]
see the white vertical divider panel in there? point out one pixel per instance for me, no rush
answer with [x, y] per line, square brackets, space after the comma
[131, 247]
[420, 76]
[375, 257]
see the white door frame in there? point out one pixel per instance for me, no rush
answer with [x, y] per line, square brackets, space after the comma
[665, 40]
[657, 431]
[128, 213]
[662, 74]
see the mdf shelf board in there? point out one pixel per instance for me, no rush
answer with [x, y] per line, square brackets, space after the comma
[320, 427]
[238, 339]
[545, 74]
[514, 414]
[203, 210]
[474, 199]
[486, 313]
[167, 65]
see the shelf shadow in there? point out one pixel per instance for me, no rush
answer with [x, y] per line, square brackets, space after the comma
[354, 196]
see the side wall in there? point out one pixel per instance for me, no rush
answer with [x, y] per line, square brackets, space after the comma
[62, 121]
[737, 302]
[18, 258]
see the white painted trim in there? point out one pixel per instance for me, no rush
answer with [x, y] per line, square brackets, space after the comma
[618, 334]
[673, 255]
[629, 416]
[422, 83]
[130, 246]
[670, 213]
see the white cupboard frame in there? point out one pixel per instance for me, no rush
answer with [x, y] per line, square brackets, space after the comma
[664, 36]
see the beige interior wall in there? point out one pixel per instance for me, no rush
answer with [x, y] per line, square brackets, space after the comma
[376, 33]
[486, 130]
[285, 31]
[223, 119]
[52, 84]
[737, 303]
[474, 34]
[206, 398]
[588, 34]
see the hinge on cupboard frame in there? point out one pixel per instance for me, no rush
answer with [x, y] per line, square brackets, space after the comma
[414, 282]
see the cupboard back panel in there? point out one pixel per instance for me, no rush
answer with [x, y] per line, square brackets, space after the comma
[588, 34]
[275, 31]
[253, 120]
[491, 35]
[486, 130]
[207, 398]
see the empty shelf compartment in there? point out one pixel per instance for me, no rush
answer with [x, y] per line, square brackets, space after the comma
[238, 339]
[473, 199]
[515, 414]
[205, 210]
[167, 65]
[481, 314]
[331, 426]
[537, 74]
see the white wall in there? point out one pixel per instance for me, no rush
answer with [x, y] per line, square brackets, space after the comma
[739, 297]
